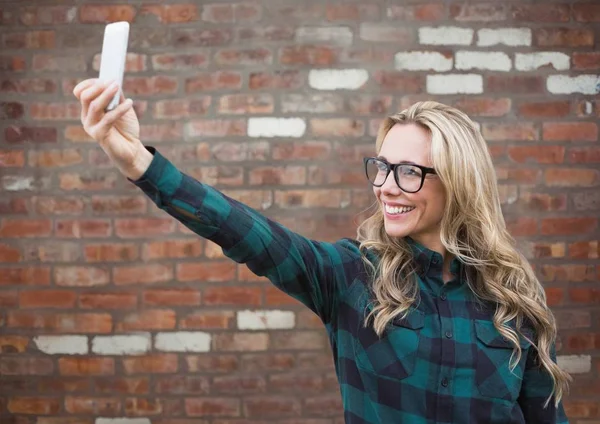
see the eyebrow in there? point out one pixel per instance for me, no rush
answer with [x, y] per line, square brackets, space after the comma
[407, 162]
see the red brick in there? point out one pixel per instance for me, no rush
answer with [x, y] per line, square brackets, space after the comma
[244, 342]
[241, 104]
[13, 344]
[563, 37]
[534, 84]
[20, 228]
[30, 276]
[212, 364]
[21, 365]
[426, 12]
[587, 60]
[217, 128]
[151, 364]
[566, 226]
[308, 55]
[550, 109]
[585, 249]
[535, 154]
[92, 405]
[81, 276]
[272, 406]
[21, 134]
[12, 63]
[171, 297]
[143, 227]
[192, 37]
[11, 110]
[569, 177]
[58, 205]
[8, 299]
[337, 127]
[83, 228]
[270, 175]
[299, 340]
[541, 201]
[143, 407]
[9, 253]
[122, 385]
[179, 61]
[243, 57]
[514, 131]
[107, 300]
[585, 295]
[570, 131]
[28, 86]
[148, 319]
[61, 322]
[483, 12]
[534, 13]
[522, 226]
[212, 406]
[185, 248]
[150, 86]
[63, 384]
[93, 14]
[55, 111]
[47, 299]
[206, 271]
[173, 13]
[207, 320]
[484, 106]
[111, 252]
[34, 405]
[55, 158]
[586, 12]
[286, 79]
[29, 40]
[266, 34]
[306, 150]
[98, 181]
[568, 273]
[399, 81]
[232, 296]
[181, 108]
[86, 366]
[554, 296]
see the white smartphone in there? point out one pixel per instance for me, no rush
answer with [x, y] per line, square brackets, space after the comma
[114, 54]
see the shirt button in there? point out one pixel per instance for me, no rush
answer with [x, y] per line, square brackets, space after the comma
[435, 260]
[449, 334]
[443, 296]
[445, 382]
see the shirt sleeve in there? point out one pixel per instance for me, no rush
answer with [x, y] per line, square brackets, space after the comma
[310, 271]
[535, 389]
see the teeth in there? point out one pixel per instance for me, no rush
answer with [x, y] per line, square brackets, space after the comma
[396, 210]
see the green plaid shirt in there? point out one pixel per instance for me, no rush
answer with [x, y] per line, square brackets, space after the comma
[444, 363]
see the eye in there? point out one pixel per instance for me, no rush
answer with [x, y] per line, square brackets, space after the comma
[410, 171]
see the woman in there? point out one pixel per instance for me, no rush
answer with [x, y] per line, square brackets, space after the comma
[433, 316]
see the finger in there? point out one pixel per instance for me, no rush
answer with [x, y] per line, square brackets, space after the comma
[88, 95]
[98, 106]
[111, 117]
[82, 86]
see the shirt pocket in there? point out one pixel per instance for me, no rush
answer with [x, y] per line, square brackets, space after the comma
[493, 376]
[395, 353]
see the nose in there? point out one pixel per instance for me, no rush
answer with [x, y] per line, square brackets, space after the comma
[389, 187]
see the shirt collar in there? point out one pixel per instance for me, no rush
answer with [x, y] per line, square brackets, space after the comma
[428, 260]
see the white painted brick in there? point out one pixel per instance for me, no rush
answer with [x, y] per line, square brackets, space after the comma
[336, 79]
[446, 36]
[276, 127]
[533, 61]
[183, 341]
[422, 61]
[455, 84]
[126, 344]
[17, 183]
[563, 84]
[575, 364]
[491, 61]
[265, 320]
[63, 345]
[123, 421]
[507, 36]
[334, 35]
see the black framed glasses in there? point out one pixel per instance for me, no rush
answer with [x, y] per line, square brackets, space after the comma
[408, 176]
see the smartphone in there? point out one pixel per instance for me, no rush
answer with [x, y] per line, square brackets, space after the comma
[114, 54]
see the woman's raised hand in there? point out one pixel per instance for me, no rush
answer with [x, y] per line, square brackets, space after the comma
[117, 131]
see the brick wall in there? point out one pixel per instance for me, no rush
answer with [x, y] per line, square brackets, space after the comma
[110, 309]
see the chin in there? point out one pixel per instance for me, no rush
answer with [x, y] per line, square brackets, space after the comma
[396, 230]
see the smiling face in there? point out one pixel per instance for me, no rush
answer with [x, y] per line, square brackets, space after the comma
[421, 220]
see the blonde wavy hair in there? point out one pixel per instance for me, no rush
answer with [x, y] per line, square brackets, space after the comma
[473, 230]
